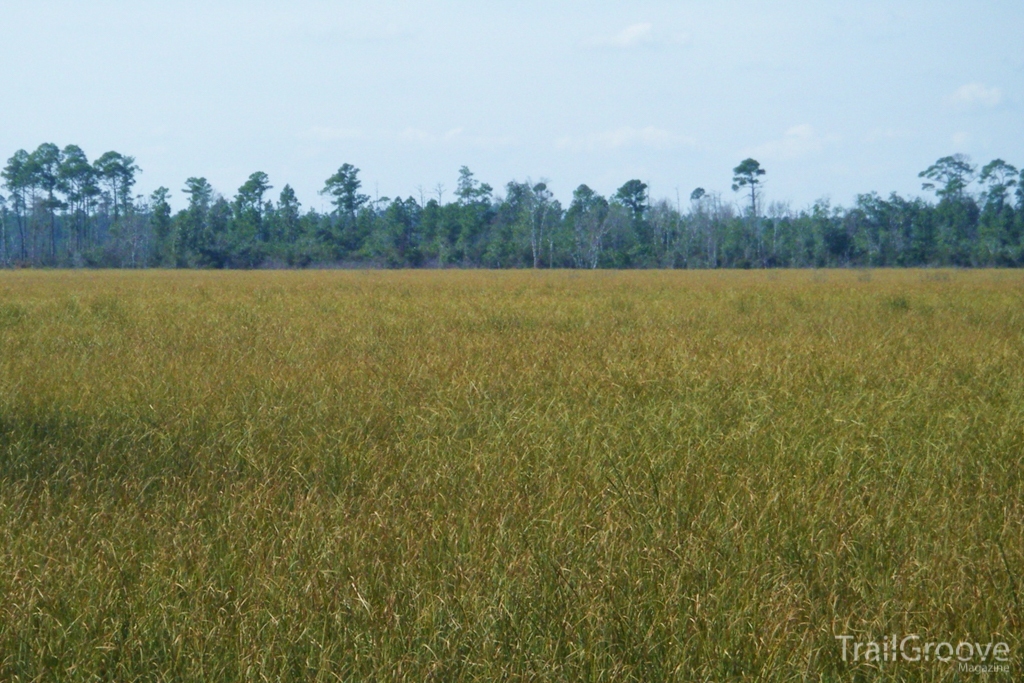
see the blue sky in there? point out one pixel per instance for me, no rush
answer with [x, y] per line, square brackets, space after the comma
[833, 98]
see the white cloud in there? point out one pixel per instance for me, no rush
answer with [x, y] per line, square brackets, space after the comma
[798, 141]
[627, 136]
[637, 35]
[975, 95]
[960, 139]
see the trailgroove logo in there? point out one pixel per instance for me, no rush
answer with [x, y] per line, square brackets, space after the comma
[972, 657]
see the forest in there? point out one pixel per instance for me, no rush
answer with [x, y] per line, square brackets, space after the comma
[61, 210]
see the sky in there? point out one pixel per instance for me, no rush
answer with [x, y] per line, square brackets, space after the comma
[832, 98]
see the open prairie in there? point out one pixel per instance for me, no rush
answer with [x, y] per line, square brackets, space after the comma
[457, 476]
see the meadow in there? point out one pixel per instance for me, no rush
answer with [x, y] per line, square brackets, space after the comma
[521, 476]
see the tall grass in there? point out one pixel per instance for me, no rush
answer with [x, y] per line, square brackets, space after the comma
[461, 476]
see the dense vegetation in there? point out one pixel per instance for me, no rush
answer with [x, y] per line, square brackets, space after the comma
[62, 210]
[488, 476]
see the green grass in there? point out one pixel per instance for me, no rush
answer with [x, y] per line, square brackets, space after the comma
[461, 476]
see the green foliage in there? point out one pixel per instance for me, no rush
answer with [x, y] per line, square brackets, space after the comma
[162, 225]
[1000, 177]
[64, 211]
[117, 171]
[588, 218]
[633, 195]
[949, 176]
[469, 190]
[343, 189]
[748, 175]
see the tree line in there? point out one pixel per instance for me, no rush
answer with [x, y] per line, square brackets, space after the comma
[61, 210]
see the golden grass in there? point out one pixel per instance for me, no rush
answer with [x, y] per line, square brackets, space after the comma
[506, 475]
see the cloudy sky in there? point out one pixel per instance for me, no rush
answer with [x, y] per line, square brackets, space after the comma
[833, 98]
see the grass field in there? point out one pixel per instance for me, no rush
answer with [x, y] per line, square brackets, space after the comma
[454, 476]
